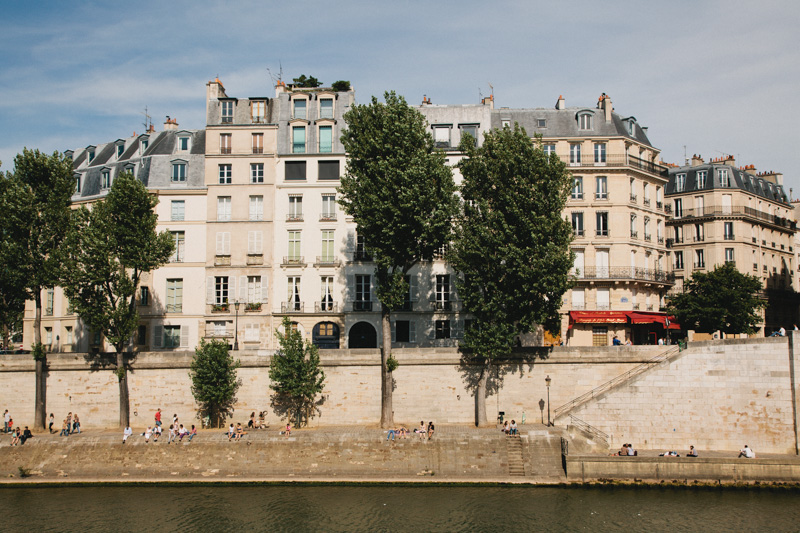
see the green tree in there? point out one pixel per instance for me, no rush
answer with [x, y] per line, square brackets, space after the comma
[512, 246]
[303, 81]
[12, 282]
[295, 375]
[36, 208]
[401, 195]
[110, 248]
[341, 85]
[721, 300]
[214, 380]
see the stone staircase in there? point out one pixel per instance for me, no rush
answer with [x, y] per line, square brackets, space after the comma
[543, 459]
[516, 461]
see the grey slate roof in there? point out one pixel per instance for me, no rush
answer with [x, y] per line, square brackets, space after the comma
[739, 179]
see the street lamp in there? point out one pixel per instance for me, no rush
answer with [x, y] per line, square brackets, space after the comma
[236, 327]
[548, 380]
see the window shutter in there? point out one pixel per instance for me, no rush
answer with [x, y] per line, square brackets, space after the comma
[243, 289]
[226, 243]
[210, 290]
[220, 243]
[231, 288]
[458, 329]
[264, 289]
[158, 341]
[394, 331]
[413, 289]
[184, 336]
[258, 240]
[351, 241]
[351, 286]
[371, 288]
[412, 331]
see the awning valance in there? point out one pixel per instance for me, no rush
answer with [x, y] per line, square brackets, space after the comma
[622, 317]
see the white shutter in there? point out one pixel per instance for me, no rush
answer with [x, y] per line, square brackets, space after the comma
[412, 331]
[158, 336]
[254, 242]
[264, 289]
[220, 243]
[210, 290]
[351, 287]
[351, 241]
[231, 288]
[243, 289]
[394, 331]
[372, 281]
[259, 249]
[226, 243]
[412, 287]
[184, 336]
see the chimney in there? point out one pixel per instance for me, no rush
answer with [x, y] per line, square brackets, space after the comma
[697, 160]
[426, 100]
[214, 90]
[772, 177]
[489, 100]
[604, 103]
[170, 124]
[280, 87]
[560, 104]
[151, 129]
[730, 161]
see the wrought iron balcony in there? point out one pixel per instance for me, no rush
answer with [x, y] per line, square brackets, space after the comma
[326, 307]
[293, 260]
[646, 201]
[292, 307]
[362, 305]
[627, 273]
[326, 261]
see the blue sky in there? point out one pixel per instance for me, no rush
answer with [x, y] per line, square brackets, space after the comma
[717, 77]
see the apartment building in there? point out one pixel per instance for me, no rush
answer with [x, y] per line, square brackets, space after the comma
[240, 150]
[722, 213]
[171, 165]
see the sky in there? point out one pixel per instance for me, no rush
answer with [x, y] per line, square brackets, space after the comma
[706, 77]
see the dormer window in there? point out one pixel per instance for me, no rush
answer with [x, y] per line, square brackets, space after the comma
[77, 183]
[471, 129]
[227, 111]
[585, 121]
[105, 179]
[90, 154]
[541, 123]
[178, 171]
[120, 149]
[129, 168]
[326, 108]
[300, 109]
[143, 143]
[680, 182]
[184, 142]
[701, 179]
[631, 127]
[441, 136]
[258, 109]
[724, 179]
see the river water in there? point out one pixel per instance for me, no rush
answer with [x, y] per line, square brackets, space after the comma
[381, 508]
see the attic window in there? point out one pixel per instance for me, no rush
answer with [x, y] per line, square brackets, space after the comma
[183, 143]
[585, 121]
[144, 144]
[541, 123]
[505, 123]
[120, 150]
[631, 127]
[105, 179]
[91, 155]
[471, 129]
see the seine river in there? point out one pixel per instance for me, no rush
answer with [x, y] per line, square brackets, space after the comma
[376, 508]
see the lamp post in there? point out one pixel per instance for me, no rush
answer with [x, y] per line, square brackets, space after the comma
[548, 380]
[236, 327]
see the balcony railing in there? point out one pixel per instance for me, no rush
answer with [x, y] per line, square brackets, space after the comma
[294, 217]
[293, 260]
[633, 198]
[326, 261]
[648, 237]
[362, 305]
[327, 217]
[601, 233]
[729, 237]
[258, 149]
[577, 196]
[218, 332]
[601, 196]
[292, 307]
[443, 305]
[326, 307]
[616, 160]
[701, 264]
[636, 307]
[659, 205]
[361, 255]
[667, 208]
[737, 210]
[755, 266]
[699, 238]
[174, 308]
[225, 150]
[578, 232]
[661, 240]
[646, 201]
[649, 307]
[634, 234]
[635, 273]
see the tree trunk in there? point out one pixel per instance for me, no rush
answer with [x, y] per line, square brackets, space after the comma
[124, 406]
[480, 397]
[40, 407]
[387, 414]
[6, 337]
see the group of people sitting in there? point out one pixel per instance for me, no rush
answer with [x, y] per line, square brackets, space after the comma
[626, 450]
[509, 429]
[257, 423]
[236, 433]
[18, 437]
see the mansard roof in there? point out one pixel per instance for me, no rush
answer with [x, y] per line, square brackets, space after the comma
[738, 179]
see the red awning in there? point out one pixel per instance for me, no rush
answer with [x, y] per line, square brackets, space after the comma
[652, 318]
[598, 317]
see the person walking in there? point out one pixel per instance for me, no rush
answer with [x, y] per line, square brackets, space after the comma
[158, 417]
[6, 418]
[52, 421]
[127, 433]
[64, 429]
[76, 424]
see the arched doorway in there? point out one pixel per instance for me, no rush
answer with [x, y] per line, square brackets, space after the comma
[363, 335]
[325, 336]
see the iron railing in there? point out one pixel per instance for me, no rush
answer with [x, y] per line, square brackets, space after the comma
[636, 273]
[599, 435]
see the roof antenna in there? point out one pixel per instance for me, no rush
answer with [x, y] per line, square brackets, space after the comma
[685, 157]
[147, 119]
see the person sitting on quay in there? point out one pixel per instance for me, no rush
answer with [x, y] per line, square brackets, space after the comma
[261, 423]
[182, 432]
[173, 434]
[192, 433]
[240, 432]
[631, 451]
[76, 424]
[231, 432]
[431, 430]
[127, 433]
[156, 433]
[147, 433]
[670, 453]
[616, 341]
[26, 435]
[622, 451]
[15, 437]
[288, 430]
[513, 427]
[692, 452]
[52, 421]
[251, 424]
[402, 431]
[505, 427]
[747, 452]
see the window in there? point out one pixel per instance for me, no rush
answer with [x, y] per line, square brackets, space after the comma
[256, 172]
[300, 107]
[601, 188]
[699, 234]
[174, 295]
[471, 130]
[223, 243]
[68, 336]
[49, 299]
[585, 121]
[254, 240]
[362, 294]
[227, 111]
[295, 207]
[144, 144]
[254, 294]
[646, 189]
[442, 329]
[602, 224]
[549, 149]
[505, 123]
[699, 259]
[631, 128]
[660, 231]
[541, 123]
[678, 208]
[178, 210]
[256, 208]
[91, 156]
[293, 293]
[578, 298]
[678, 234]
[77, 183]
[724, 179]
[599, 335]
[172, 336]
[403, 331]
[299, 140]
[647, 234]
[141, 336]
[144, 295]
[223, 208]
[326, 108]
[728, 231]
[225, 173]
[258, 109]
[604, 297]
[577, 223]
[441, 136]
[599, 152]
[258, 143]
[225, 143]
[105, 179]
[634, 232]
[294, 246]
[326, 297]
[701, 179]
[678, 260]
[680, 182]
[574, 154]
[729, 255]
[120, 150]
[443, 292]
[296, 170]
[183, 144]
[220, 290]
[328, 170]
[178, 172]
[179, 239]
[327, 246]
[361, 249]
[48, 336]
[577, 188]
[601, 263]
[328, 207]
[325, 139]
[251, 332]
